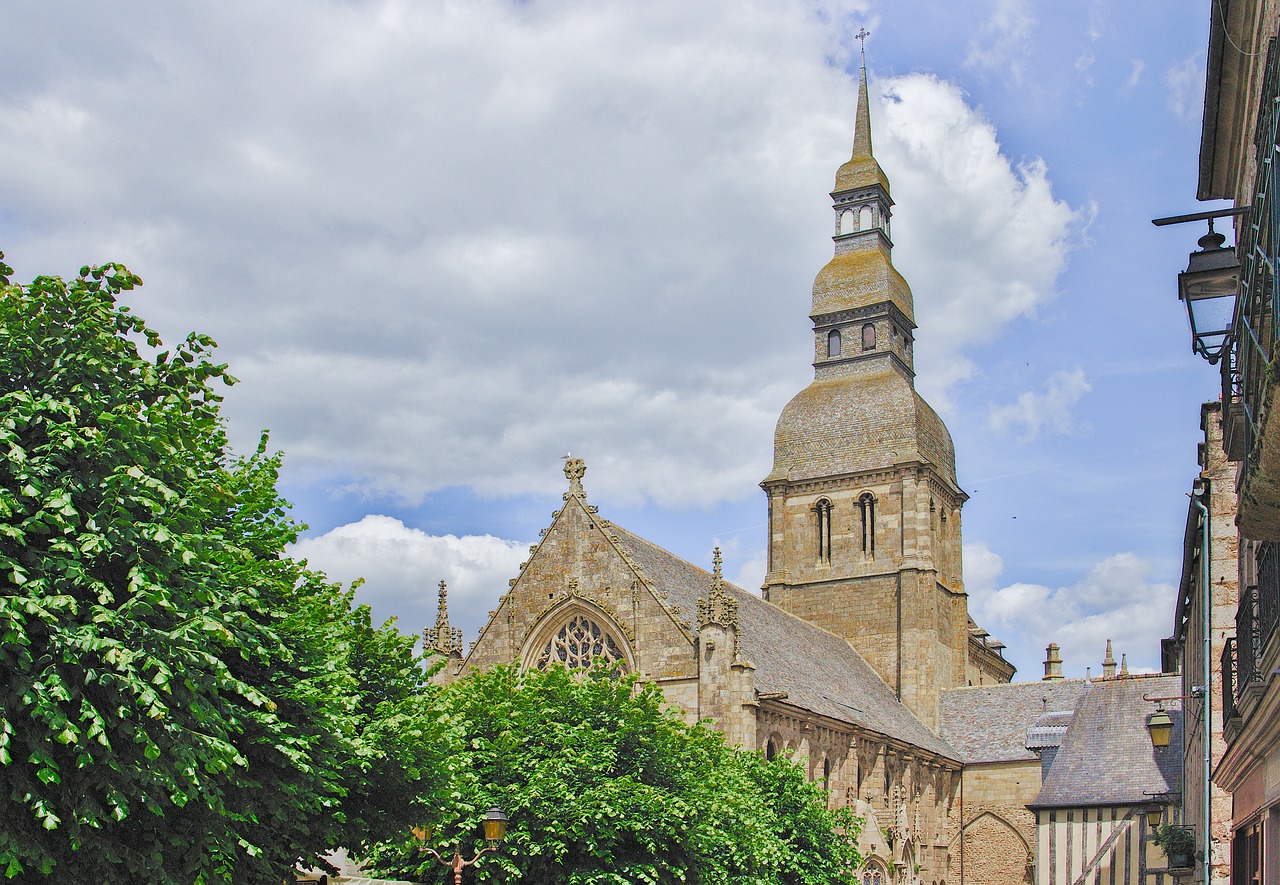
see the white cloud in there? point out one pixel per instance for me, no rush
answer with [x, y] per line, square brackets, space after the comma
[1115, 600]
[982, 240]
[441, 244]
[1185, 83]
[1003, 40]
[1050, 408]
[1136, 67]
[402, 567]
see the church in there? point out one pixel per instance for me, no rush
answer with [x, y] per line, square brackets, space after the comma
[858, 658]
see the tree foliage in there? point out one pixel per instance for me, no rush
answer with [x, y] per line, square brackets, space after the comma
[180, 701]
[603, 786]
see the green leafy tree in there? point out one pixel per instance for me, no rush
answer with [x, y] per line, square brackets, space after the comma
[601, 785]
[180, 702]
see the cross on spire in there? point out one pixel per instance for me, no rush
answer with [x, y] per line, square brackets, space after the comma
[861, 37]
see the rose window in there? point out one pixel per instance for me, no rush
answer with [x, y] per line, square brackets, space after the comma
[580, 643]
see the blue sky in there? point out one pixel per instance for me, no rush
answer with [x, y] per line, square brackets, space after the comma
[442, 244]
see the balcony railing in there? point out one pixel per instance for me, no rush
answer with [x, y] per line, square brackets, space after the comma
[1245, 379]
[1256, 621]
[1229, 710]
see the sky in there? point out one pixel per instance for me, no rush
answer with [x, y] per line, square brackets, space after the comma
[443, 243]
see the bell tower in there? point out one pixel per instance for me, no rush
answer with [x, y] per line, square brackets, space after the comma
[864, 508]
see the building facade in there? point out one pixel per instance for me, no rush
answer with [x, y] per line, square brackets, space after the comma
[1239, 153]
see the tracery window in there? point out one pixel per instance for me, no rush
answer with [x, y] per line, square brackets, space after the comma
[871, 877]
[581, 643]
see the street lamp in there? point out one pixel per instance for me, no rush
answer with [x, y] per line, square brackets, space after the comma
[1208, 288]
[1161, 727]
[495, 830]
[1209, 285]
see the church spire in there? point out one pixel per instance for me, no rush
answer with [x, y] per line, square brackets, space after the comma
[861, 169]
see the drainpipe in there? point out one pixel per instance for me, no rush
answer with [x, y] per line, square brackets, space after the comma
[1200, 492]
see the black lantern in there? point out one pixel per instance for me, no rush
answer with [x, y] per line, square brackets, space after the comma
[1208, 287]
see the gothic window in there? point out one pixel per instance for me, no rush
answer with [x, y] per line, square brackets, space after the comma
[822, 512]
[833, 342]
[872, 877]
[869, 336]
[581, 643]
[770, 750]
[866, 220]
[867, 504]
[847, 221]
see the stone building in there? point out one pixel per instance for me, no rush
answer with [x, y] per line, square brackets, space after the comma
[858, 659]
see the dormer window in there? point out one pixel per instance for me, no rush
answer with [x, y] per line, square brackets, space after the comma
[869, 336]
[848, 222]
[833, 343]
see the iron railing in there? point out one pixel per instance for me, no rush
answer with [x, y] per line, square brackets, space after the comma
[1253, 341]
[1257, 617]
[1229, 708]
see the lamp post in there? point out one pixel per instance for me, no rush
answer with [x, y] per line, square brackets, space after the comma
[495, 830]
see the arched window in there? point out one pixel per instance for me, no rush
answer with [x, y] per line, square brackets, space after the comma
[826, 775]
[834, 343]
[866, 220]
[770, 750]
[847, 221]
[822, 512]
[580, 643]
[867, 504]
[869, 336]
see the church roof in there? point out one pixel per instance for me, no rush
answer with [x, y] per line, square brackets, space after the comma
[1106, 756]
[989, 723]
[858, 423]
[860, 277]
[818, 671]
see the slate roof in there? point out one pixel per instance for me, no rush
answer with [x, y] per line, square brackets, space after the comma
[1106, 757]
[870, 420]
[989, 723]
[819, 671]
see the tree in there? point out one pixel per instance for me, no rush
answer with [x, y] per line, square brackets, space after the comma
[602, 785]
[180, 701]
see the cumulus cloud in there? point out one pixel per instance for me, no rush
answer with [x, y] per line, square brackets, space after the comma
[441, 244]
[981, 239]
[402, 566]
[1185, 84]
[1117, 599]
[1050, 408]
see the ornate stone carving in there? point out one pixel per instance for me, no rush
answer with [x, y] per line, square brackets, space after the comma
[444, 637]
[718, 608]
[574, 469]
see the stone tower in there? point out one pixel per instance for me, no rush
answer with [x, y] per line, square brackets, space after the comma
[864, 509]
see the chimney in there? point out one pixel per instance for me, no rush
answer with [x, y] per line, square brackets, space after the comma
[1052, 663]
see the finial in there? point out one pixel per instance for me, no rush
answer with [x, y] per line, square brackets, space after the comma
[1124, 665]
[574, 468]
[443, 637]
[861, 37]
[717, 578]
[719, 607]
[1109, 664]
